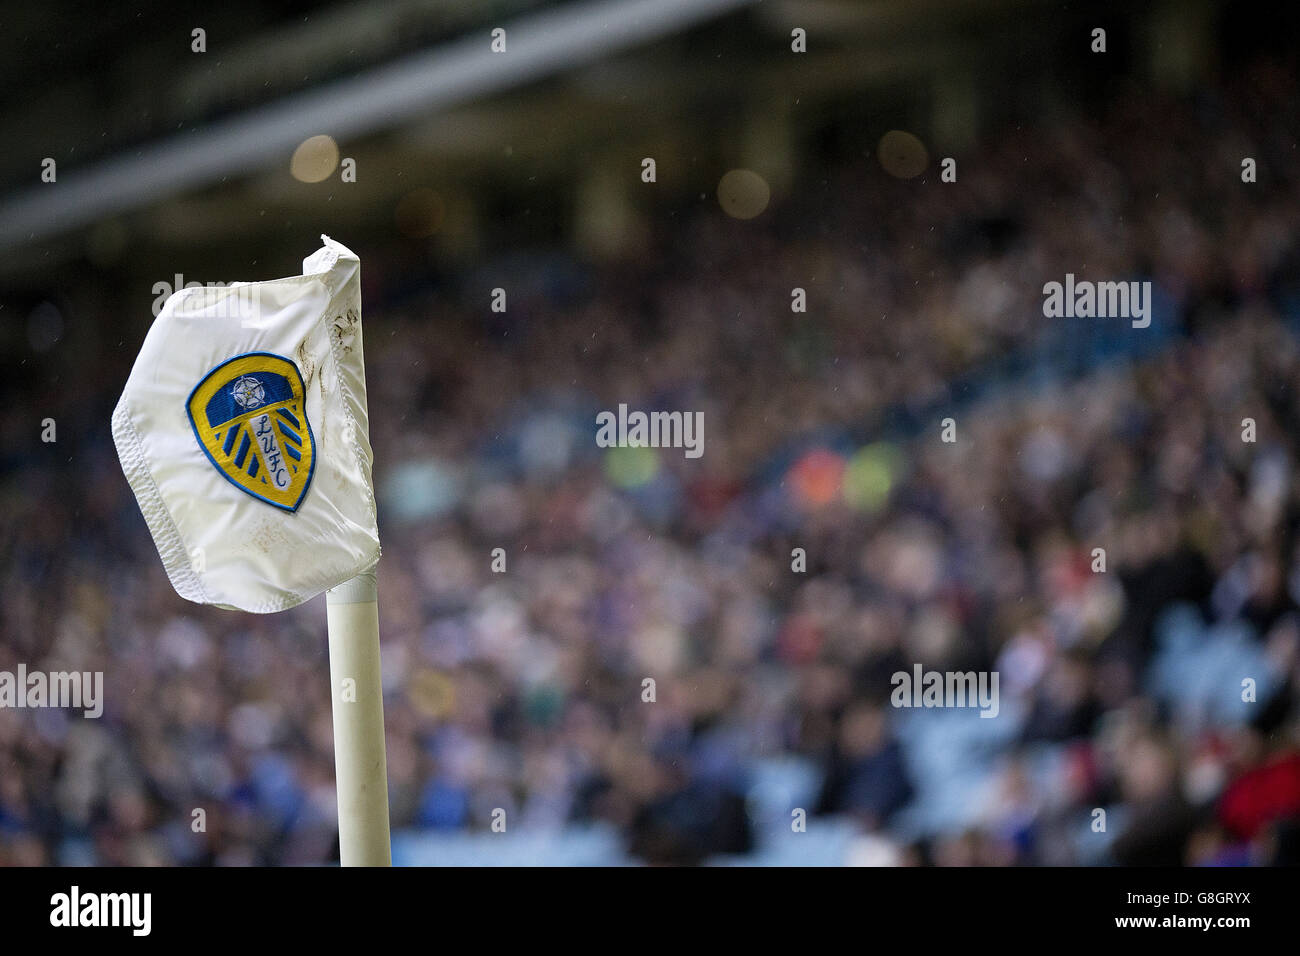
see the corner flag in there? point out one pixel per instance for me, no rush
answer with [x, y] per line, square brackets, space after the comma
[244, 432]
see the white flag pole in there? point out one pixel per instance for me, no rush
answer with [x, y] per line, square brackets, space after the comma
[361, 769]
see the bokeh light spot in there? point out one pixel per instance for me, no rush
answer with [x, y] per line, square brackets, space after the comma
[902, 154]
[816, 477]
[314, 160]
[628, 467]
[743, 194]
[870, 476]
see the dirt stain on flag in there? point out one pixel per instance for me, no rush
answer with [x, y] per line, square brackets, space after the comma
[305, 363]
[269, 538]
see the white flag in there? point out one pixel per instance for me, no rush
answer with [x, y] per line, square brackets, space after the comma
[244, 433]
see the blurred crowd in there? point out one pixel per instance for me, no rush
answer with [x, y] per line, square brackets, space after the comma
[1100, 533]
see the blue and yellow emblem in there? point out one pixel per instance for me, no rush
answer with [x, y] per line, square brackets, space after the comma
[249, 415]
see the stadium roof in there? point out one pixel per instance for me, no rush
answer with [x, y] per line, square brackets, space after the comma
[174, 147]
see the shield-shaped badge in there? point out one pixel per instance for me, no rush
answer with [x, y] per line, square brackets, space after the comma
[249, 415]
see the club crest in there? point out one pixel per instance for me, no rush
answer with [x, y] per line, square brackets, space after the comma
[249, 415]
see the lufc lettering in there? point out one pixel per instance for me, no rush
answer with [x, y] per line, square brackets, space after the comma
[271, 453]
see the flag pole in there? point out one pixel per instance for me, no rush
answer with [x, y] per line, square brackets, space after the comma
[360, 766]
